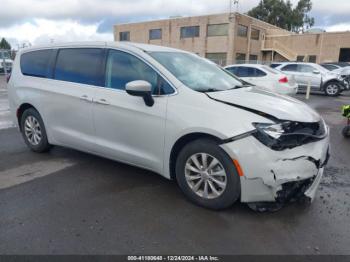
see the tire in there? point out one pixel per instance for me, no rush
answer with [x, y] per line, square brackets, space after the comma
[222, 172]
[346, 132]
[332, 89]
[33, 131]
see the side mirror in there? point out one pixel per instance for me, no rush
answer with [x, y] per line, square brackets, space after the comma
[316, 72]
[142, 89]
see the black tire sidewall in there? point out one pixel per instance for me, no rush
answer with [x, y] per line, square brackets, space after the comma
[44, 145]
[233, 187]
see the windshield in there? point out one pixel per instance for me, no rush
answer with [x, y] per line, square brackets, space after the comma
[197, 73]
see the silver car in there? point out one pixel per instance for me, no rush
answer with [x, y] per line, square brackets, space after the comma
[319, 78]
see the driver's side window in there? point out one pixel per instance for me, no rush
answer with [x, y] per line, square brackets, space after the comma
[123, 68]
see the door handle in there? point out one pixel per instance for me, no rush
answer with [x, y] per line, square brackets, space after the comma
[85, 98]
[102, 102]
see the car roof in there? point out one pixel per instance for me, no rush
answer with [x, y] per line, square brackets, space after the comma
[124, 45]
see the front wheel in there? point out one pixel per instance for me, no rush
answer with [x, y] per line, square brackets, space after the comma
[207, 175]
[332, 89]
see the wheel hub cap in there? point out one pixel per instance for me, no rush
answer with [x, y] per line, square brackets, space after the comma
[205, 175]
[32, 130]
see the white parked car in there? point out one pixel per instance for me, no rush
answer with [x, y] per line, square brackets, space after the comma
[5, 57]
[174, 113]
[266, 77]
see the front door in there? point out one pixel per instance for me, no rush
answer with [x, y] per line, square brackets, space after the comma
[127, 129]
[311, 75]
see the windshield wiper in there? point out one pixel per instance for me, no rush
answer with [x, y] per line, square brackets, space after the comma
[209, 90]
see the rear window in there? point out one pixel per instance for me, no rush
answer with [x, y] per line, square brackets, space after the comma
[36, 63]
[270, 70]
[80, 65]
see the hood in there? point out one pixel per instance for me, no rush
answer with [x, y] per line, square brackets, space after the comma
[260, 101]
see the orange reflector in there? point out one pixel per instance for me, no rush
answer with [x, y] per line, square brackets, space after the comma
[238, 167]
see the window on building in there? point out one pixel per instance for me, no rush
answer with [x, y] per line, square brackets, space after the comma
[218, 58]
[217, 30]
[312, 59]
[255, 34]
[124, 36]
[123, 68]
[253, 58]
[300, 58]
[189, 31]
[290, 68]
[155, 34]
[36, 63]
[242, 30]
[80, 65]
[240, 58]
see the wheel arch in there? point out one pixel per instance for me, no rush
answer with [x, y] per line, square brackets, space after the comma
[181, 143]
[20, 110]
[331, 81]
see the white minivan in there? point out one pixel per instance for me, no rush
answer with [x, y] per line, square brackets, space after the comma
[174, 113]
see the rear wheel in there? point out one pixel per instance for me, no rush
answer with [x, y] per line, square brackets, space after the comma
[33, 131]
[332, 89]
[206, 175]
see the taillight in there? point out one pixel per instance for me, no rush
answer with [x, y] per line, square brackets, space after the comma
[283, 80]
[8, 76]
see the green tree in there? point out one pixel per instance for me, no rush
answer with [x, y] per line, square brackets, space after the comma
[282, 14]
[4, 44]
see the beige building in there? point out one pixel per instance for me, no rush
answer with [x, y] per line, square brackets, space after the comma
[231, 38]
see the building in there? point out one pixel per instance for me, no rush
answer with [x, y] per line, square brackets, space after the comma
[236, 38]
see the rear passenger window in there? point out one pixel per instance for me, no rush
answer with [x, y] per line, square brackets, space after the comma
[290, 68]
[36, 63]
[123, 68]
[245, 71]
[80, 65]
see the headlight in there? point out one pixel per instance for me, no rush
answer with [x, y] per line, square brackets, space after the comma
[273, 130]
[289, 134]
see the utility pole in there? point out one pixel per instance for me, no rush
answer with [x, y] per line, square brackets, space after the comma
[233, 9]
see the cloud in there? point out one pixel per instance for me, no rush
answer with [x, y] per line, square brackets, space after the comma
[338, 27]
[43, 31]
[39, 21]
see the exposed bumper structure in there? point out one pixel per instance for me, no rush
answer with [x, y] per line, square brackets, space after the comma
[279, 176]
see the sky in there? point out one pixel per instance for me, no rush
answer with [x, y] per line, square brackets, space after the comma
[43, 21]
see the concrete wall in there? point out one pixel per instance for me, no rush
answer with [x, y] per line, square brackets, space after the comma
[326, 46]
[230, 44]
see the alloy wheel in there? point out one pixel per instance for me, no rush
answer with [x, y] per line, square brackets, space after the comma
[205, 175]
[332, 89]
[32, 130]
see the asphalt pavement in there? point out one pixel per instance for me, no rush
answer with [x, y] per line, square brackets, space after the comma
[68, 202]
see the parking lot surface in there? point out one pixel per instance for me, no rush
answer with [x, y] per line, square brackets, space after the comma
[68, 202]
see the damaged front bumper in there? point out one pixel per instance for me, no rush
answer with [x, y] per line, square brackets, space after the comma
[279, 176]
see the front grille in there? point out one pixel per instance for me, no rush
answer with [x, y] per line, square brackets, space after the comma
[292, 191]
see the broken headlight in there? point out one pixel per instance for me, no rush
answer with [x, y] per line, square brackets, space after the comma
[289, 134]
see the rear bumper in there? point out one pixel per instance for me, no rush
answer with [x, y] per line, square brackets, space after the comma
[278, 176]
